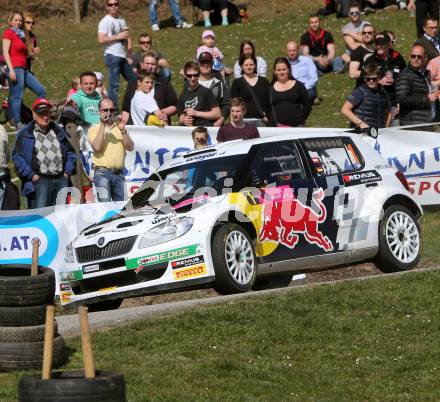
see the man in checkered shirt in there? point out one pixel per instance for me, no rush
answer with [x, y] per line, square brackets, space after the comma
[43, 158]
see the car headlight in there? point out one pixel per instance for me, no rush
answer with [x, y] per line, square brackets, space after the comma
[68, 253]
[166, 231]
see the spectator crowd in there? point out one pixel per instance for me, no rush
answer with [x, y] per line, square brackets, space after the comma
[387, 90]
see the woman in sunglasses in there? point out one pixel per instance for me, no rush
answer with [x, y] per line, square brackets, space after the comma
[29, 22]
[368, 105]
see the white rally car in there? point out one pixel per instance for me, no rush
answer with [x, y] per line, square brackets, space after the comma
[245, 214]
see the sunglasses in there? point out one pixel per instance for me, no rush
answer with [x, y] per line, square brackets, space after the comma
[30, 22]
[112, 4]
[417, 57]
[201, 139]
[192, 75]
[368, 33]
[353, 13]
[107, 110]
[145, 42]
[371, 79]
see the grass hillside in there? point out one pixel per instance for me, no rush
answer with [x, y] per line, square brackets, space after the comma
[374, 340]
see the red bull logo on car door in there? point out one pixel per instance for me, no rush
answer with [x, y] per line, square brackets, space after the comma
[286, 219]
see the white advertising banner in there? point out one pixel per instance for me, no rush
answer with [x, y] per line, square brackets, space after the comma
[54, 226]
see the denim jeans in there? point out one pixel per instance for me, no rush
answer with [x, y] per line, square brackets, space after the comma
[175, 9]
[46, 189]
[117, 66]
[109, 186]
[24, 79]
[336, 65]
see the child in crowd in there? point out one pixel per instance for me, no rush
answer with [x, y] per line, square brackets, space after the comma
[144, 108]
[74, 88]
[100, 87]
[208, 45]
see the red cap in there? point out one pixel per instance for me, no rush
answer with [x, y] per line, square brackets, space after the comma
[41, 105]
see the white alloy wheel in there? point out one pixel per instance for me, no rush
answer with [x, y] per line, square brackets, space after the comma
[239, 257]
[403, 237]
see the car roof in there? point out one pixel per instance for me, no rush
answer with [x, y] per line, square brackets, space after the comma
[242, 147]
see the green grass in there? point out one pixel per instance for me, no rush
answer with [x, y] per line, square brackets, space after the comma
[374, 340]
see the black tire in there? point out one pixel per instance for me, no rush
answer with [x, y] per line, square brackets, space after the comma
[409, 233]
[105, 305]
[225, 281]
[273, 282]
[22, 316]
[71, 386]
[29, 355]
[33, 333]
[19, 288]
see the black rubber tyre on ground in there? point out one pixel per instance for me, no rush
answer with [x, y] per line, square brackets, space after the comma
[19, 288]
[22, 316]
[105, 305]
[33, 333]
[234, 259]
[71, 386]
[273, 282]
[29, 355]
[400, 240]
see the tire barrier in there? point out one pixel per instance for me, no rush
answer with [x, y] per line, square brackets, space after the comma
[25, 292]
[73, 386]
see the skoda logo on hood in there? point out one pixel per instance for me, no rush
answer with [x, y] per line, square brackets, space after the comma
[101, 241]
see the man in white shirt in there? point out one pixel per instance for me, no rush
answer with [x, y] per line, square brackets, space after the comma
[303, 69]
[113, 33]
[352, 32]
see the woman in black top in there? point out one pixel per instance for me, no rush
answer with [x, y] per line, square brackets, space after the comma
[288, 97]
[254, 90]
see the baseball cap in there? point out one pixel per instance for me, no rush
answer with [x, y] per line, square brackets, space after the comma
[208, 32]
[41, 105]
[382, 38]
[206, 57]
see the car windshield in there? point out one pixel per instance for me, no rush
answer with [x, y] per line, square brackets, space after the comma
[189, 183]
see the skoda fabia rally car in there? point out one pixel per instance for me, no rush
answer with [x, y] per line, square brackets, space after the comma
[245, 214]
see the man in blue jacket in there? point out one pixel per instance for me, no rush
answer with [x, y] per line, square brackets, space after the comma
[43, 157]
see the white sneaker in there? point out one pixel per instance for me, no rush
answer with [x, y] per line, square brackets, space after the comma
[155, 27]
[184, 24]
[402, 5]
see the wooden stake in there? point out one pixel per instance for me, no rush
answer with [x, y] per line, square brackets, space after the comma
[76, 11]
[89, 365]
[48, 343]
[35, 253]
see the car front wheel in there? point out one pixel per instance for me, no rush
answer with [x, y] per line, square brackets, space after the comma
[400, 240]
[234, 260]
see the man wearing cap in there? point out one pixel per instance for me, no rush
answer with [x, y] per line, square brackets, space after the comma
[416, 98]
[43, 157]
[390, 63]
[114, 34]
[430, 40]
[197, 105]
[87, 98]
[217, 86]
[110, 141]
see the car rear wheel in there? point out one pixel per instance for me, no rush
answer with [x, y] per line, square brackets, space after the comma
[400, 240]
[234, 259]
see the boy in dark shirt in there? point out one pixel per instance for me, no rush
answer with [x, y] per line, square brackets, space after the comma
[237, 128]
[197, 105]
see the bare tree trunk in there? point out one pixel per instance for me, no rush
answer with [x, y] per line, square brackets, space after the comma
[77, 12]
